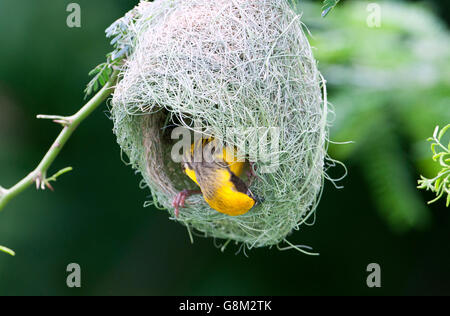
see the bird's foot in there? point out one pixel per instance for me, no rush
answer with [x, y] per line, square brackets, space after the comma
[180, 198]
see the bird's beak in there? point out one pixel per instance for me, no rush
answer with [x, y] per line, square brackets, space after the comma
[258, 199]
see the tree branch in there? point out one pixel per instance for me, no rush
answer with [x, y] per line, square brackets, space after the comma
[70, 123]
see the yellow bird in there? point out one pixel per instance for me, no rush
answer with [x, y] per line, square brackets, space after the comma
[217, 173]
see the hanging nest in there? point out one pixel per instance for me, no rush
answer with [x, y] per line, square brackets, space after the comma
[222, 64]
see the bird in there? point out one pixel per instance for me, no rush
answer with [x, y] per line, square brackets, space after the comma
[217, 172]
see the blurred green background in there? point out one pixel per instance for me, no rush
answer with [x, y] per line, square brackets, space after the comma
[389, 87]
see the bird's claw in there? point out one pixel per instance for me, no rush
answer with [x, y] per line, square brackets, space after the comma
[180, 199]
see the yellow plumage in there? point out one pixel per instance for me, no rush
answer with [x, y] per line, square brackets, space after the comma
[218, 178]
[221, 194]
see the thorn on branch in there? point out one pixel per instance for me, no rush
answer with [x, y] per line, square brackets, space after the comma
[49, 186]
[63, 120]
[40, 181]
[37, 180]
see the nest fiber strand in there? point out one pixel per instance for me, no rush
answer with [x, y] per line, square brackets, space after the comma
[225, 63]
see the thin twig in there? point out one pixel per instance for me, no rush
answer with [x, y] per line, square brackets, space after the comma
[70, 123]
[7, 250]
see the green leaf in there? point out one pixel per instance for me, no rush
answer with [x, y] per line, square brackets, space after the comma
[437, 184]
[122, 35]
[93, 71]
[442, 132]
[440, 184]
[102, 80]
[435, 133]
[328, 5]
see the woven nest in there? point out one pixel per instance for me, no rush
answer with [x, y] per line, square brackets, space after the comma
[221, 64]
